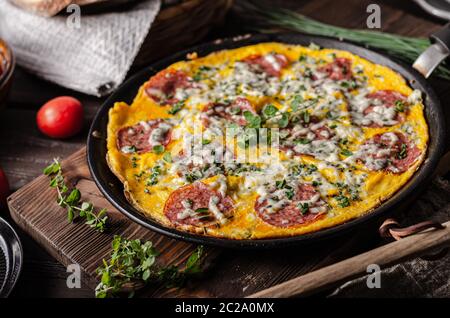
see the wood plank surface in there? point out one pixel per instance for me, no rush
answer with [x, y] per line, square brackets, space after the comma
[24, 152]
[341, 272]
[35, 210]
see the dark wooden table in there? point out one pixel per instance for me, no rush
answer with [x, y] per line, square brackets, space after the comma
[24, 151]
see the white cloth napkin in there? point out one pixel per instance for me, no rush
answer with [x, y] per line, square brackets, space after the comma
[93, 59]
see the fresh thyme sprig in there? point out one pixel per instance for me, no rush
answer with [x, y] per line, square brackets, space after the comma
[133, 265]
[402, 47]
[72, 200]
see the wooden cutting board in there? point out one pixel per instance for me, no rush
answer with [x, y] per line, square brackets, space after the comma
[35, 210]
[234, 274]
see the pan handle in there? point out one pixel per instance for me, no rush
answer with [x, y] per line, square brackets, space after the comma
[436, 53]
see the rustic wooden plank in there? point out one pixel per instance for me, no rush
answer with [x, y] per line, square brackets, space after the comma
[241, 273]
[35, 210]
[384, 256]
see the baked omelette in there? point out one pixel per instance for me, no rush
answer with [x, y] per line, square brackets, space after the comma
[345, 134]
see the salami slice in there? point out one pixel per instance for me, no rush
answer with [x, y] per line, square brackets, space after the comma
[163, 86]
[233, 112]
[387, 97]
[304, 208]
[323, 133]
[303, 139]
[271, 64]
[386, 108]
[143, 136]
[339, 69]
[392, 152]
[198, 205]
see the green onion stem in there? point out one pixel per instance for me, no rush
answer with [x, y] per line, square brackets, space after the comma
[402, 47]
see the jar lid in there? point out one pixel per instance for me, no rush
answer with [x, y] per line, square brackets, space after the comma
[11, 256]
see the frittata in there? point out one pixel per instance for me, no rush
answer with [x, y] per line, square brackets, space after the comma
[267, 140]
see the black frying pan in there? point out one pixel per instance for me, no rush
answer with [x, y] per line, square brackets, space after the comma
[112, 188]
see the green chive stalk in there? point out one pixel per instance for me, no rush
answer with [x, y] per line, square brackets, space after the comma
[404, 48]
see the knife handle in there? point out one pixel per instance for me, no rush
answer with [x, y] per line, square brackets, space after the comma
[442, 37]
[436, 53]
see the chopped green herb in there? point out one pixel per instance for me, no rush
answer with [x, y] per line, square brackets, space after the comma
[233, 128]
[311, 168]
[197, 77]
[306, 168]
[403, 151]
[346, 152]
[295, 104]
[176, 108]
[316, 183]
[154, 174]
[202, 210]
[302, 141]
[306, 117]
[308, 72]
[167, 157]
[134, 162]
[399, 106]
[304, 207]
[283, 122]
[138, 175]
[289, 193]
[349, 84]
[130, 149]
[253, 120]
[280, 184]
[204, 68]
[330, 115]
[343, 201]
[269, 110]
[158, 149]
[193, 176]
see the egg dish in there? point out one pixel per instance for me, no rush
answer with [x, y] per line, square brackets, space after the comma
[268, 140]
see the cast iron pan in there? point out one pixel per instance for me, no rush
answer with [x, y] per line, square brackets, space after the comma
[111, 187]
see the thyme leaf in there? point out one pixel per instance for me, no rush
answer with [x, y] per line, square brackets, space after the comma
[133, 265]
[72, 201]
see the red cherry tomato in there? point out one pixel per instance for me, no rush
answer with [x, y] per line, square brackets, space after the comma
[4, 189]
[61, 117]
